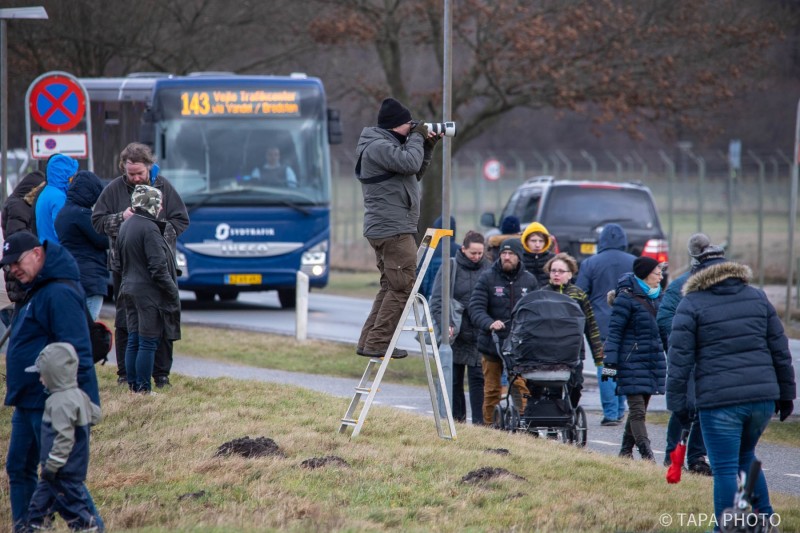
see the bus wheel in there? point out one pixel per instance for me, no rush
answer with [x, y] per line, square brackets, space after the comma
[287, 298]
[204, 296]
[228, 296]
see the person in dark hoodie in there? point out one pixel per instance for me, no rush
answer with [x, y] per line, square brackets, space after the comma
[598, 275]
[68, 416]
[17, 215]
[700, 249]
[537, 243]
[467, 266]
[634, 349]
[729, 334]
[491, 304]
[53, 311]
[391, 160]
[60, 170]
[75, 232]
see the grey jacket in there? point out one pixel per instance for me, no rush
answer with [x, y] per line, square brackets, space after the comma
[68, 413]
[389, 175]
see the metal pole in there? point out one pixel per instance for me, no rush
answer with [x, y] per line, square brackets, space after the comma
[670, 192]
[445, 352]
[792, 218]
[760, 164]
[592, 163]
[3, 112]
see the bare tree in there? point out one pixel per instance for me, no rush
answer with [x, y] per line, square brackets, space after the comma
[661, 61]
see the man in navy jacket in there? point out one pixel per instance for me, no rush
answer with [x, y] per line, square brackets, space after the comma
[53, 311]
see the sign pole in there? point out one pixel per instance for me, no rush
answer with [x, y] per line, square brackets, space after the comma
[792, 218]
[3, 113]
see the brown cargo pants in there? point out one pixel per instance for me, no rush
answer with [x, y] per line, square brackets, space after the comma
[396, 258]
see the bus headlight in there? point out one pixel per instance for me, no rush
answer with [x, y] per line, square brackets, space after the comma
[182, 265]
[314, 260]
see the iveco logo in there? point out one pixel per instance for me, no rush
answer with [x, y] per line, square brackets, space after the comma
[244, 248]
[225, 231]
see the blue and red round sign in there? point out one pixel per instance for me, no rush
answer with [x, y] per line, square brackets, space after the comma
[57, 102]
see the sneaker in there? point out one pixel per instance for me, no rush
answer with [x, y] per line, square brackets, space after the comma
[122, 380]
[610, 422]
[700, 467]
[162, 381]
[667, 461]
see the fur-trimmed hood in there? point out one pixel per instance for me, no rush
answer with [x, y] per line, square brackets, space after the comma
[716, 273]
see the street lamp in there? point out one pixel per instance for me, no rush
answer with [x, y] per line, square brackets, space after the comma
[37, 12]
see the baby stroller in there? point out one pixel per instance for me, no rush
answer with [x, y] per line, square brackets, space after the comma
[544, 347]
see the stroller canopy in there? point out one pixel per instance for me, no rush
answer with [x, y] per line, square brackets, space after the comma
[547, 330]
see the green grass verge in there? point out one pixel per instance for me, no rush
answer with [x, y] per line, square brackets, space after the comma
[279, 352]
[354, 284]
[153, 468]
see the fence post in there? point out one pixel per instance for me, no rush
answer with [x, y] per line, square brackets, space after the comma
[701, 178]
[567, 162]
[760, 164]
[642, 162]
[617, 164]
[301, 307]
[556, 164]
[670, 191]
[542, 161]
[592, 163]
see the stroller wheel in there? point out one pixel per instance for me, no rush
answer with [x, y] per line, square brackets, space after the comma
[499, 417]
[579, 429]
[512, 419]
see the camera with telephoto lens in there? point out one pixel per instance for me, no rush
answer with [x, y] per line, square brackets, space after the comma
[448, 128]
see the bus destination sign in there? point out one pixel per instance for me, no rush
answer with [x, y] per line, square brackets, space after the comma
[239, 103]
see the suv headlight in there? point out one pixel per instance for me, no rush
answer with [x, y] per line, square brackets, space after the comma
[314, 260]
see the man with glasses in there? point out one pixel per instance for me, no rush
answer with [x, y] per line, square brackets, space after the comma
[391, 160]
[52, 311]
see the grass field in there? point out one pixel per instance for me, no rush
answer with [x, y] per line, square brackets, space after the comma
[154, 468]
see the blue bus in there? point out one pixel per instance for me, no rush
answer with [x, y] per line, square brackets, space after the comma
[249, 155]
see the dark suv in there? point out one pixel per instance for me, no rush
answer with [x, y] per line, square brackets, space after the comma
[576, 211]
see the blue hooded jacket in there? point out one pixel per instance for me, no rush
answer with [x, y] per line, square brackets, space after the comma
[55, 313]
[60, 169]
[75, 232]
[600, 273]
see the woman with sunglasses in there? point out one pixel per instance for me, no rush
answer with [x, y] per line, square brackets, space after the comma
[561, 268]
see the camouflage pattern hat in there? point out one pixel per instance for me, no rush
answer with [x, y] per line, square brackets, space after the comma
[147, 198]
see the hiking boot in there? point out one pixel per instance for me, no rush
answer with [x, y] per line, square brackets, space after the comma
[645, 450]
[396, 354]
[610, 422]
[162, 381]
[700, 467]
[626, 451]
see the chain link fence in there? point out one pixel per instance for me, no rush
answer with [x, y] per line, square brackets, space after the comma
[694, 191]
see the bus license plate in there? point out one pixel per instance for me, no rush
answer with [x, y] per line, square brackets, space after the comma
[243, 279]
[588, 248]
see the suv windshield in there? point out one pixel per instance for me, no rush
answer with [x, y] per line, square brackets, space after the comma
[524, 204]
[592, 207]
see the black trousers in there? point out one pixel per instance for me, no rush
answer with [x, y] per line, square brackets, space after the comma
[163, 361]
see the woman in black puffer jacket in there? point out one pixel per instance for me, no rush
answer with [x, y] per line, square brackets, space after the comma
[730, 335]
[634, 349]
[466, 268]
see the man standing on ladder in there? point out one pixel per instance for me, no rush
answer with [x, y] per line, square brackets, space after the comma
[392, 158]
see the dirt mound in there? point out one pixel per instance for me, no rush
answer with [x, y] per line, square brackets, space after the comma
[317, 462]
[498, 451]
[247, 447]
[487, 473]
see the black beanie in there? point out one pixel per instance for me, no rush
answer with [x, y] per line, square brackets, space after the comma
[512, 244]
[393, 114]
[642, 266]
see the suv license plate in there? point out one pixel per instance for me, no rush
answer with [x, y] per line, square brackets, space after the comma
[588, 248]
[243, 279]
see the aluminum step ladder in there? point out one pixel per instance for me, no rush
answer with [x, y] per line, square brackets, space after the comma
[369, 385]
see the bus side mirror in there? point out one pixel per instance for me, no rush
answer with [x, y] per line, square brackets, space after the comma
[334, 127]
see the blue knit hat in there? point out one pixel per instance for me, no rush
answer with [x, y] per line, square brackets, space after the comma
[510, 225]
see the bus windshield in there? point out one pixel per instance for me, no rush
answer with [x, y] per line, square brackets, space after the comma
[245, 161]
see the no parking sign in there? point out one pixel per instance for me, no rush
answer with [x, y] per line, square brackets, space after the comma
[493, 169]
[57, 102]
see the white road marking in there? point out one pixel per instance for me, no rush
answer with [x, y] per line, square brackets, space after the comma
[406, 407]
[790, 475]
